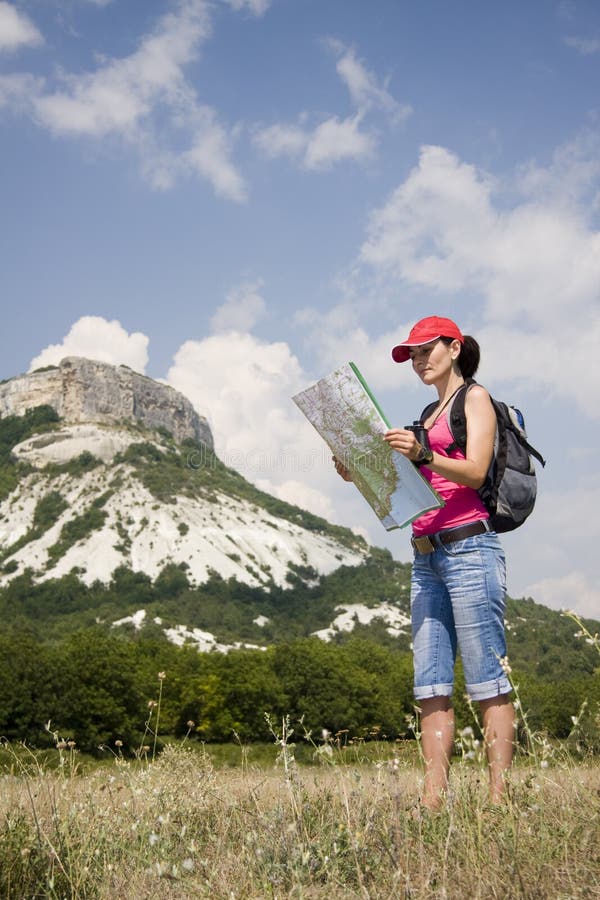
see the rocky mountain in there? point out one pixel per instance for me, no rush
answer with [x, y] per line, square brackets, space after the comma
[115, 511]
[105, 470]
[85, 390]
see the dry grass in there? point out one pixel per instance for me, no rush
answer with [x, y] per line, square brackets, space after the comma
[178, 828]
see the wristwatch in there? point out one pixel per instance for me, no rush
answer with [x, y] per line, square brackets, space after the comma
[424, 457]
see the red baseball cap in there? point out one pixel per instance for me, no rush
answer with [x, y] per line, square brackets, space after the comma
[426, 330]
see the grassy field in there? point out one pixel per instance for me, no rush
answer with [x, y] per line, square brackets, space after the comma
[190, 825]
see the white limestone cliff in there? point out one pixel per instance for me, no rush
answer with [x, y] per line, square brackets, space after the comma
[85, 390]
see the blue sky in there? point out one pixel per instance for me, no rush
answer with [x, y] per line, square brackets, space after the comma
[238, 196]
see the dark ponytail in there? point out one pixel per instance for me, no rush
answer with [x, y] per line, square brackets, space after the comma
[468, 358]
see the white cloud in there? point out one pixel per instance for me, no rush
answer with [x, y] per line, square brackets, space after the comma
[571, 177]
[440, 229]
[18, 90]
[538, 360]
[282, 140]
[329, 142]
[585, 46]
[96, 338]
[572, 591]
[336, 337]
[335, 139]
[16, 29]
[131, 98]
[256, 7]
[430, 230]
[121, 93]
[301, 494]
[365, 91]
[242, 309]
[244, 387]
[535, 265]
[559, 543]
[210, 156]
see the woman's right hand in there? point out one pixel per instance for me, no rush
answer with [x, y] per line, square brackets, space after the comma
[341, 469]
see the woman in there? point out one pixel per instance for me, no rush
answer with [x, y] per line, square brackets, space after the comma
[458, 577]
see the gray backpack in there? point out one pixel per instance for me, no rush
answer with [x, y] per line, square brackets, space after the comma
[510, 487]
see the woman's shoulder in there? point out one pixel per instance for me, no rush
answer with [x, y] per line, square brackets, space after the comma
[478, 401]
[476, 391]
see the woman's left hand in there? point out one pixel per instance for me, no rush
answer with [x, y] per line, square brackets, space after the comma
[403, 441]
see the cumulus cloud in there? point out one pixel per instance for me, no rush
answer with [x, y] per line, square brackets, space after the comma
[16, 29]
[126, 99]
[96, 338]
[441, 229]
[535, 265]
[243, 307]
[244, 387]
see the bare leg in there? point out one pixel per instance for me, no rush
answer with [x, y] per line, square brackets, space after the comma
[437, 738]
[498, 729]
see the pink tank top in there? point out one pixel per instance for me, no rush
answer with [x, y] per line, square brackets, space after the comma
[463, 504]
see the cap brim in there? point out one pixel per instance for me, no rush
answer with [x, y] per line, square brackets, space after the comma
[401, 353]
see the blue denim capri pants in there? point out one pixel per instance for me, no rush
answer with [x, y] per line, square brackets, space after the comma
[458, 596]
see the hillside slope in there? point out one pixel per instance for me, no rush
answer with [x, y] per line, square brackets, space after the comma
[137, 499]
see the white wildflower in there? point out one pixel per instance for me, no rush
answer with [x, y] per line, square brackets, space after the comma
[505, 665]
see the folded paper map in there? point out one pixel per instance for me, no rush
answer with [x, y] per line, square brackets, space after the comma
[347, 416]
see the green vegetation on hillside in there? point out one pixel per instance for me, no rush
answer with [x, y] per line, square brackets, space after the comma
[226, 608]
[78, 528]
[14, 430]
[63, 660]
[48, 510]
[69, 664]
[194, 470]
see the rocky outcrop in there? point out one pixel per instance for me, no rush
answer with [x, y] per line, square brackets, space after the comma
[85, 390]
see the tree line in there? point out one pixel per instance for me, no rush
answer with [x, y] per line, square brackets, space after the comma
[98, 686]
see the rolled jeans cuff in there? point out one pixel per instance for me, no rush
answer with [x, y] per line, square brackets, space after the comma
[489, 689]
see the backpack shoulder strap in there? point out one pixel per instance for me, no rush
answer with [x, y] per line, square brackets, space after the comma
[457, 420]
[427, 412]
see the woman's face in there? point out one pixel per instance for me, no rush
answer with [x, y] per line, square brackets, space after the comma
[434, 360]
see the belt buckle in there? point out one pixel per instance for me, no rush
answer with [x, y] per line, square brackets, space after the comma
[423, 544]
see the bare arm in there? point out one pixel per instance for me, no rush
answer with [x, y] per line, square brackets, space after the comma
[481, 430]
